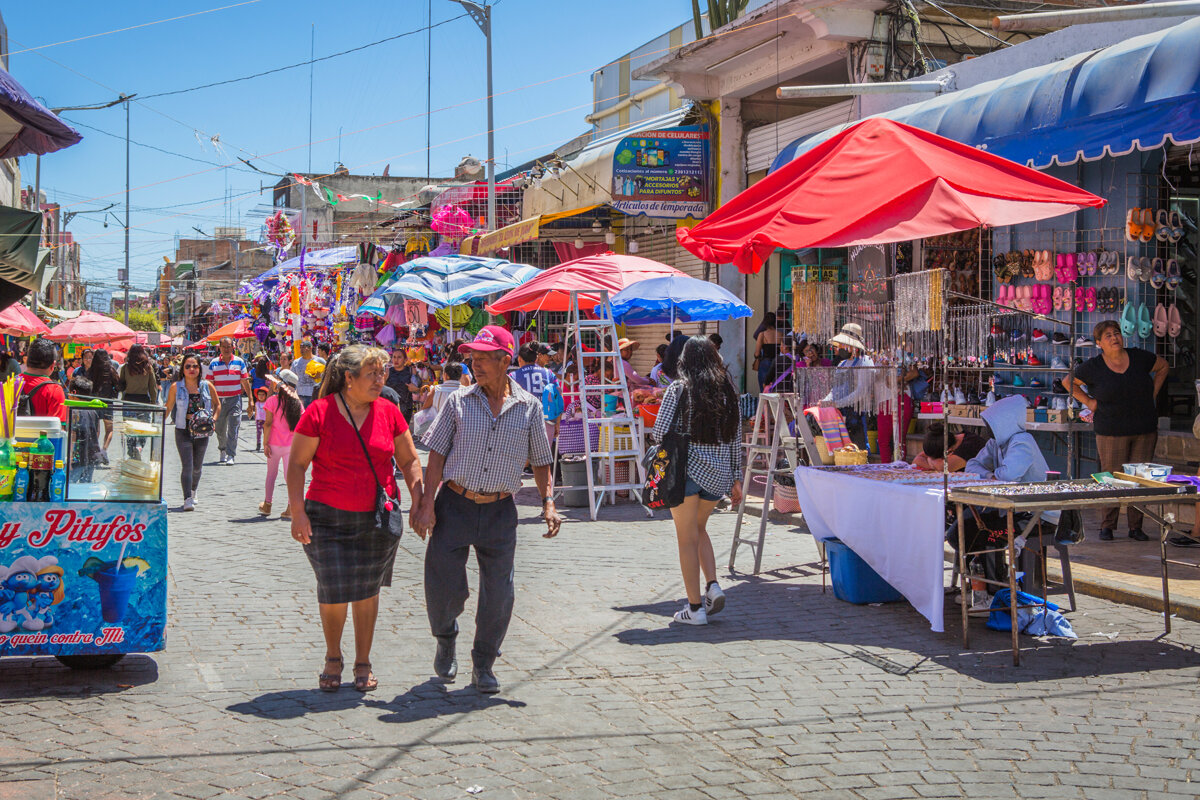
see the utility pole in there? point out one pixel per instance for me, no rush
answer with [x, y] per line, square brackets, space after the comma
[482, 14]
[125, 277]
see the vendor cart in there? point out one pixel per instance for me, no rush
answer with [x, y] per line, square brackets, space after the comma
[84, 578]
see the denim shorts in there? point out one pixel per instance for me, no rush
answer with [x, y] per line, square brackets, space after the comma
[692, 488]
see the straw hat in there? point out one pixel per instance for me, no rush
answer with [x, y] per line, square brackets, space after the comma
[628, 344]
[851, 336]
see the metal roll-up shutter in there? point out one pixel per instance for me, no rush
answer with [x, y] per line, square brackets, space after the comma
[763, 144]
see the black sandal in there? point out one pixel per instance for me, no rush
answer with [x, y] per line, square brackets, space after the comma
[330, 681]
[364, 683]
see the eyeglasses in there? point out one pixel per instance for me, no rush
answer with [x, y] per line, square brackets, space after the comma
[192, 366]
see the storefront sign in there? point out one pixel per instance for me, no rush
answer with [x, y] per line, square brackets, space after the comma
[662, 173]
[62, 591]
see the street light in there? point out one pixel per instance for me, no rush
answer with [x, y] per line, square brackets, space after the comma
[482, 14]
[37, 194]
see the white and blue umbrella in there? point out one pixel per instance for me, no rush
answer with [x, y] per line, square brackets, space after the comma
[451, 280]
[675, 298]
[313, 259]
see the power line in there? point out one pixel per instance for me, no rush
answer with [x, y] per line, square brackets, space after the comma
[74, 121]
[305, 63]
[132, 27]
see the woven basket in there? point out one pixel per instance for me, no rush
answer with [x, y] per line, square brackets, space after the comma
[785, 499]
[570, 437]
[849, 456]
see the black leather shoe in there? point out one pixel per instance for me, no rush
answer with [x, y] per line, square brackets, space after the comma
[444, 663]
[484, 681]
[1138, 536]
[1106, 534]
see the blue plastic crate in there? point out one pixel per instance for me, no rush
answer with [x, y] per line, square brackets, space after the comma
[853, 579]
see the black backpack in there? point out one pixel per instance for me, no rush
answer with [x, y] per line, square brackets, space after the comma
[25, 404]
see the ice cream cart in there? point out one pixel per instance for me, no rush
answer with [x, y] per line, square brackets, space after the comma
[83, 576]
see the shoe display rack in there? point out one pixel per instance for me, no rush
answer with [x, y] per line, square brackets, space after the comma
[1157, 249]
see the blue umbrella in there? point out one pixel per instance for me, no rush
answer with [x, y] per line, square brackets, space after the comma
[449, 280]
[675, 298]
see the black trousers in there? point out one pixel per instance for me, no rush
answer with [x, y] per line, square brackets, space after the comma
[191, 457]
[491, 528]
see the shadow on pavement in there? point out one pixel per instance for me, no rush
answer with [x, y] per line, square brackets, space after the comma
[895, 638]
[296, 703]
[433, 699]
[46, 676]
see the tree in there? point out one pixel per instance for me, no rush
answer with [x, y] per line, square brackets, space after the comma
[141, 320]
[720, 13]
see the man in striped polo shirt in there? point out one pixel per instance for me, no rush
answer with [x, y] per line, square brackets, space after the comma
[230, 374]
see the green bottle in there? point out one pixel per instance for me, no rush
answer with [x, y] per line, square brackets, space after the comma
[8, 470]
[41, 467]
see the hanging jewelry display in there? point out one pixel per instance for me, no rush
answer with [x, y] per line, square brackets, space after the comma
[919, 301]
[813, 310]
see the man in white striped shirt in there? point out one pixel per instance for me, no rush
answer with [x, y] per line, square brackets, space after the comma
[230, 374]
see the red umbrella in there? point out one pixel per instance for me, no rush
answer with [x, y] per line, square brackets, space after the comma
[238, 329]
[18, 320]
[879, 181]
[551, 291]
[90, 328]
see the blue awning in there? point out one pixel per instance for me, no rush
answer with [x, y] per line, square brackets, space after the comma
[26, 126]
[1138, 94]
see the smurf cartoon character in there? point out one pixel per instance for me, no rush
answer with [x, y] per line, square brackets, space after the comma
[49, 593]
[18, 583]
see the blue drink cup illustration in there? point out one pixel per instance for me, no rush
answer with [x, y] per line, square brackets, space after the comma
[115, 588]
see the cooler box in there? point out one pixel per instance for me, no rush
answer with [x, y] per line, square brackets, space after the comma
[853, 580]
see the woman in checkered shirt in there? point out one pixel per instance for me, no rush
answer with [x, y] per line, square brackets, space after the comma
[702, 404]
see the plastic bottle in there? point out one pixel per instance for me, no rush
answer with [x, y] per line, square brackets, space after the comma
[21, 483]
[41, 467]
[979, 595]
[8, 471]
[58, 483]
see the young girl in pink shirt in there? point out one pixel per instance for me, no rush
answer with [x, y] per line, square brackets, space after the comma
[283, 410]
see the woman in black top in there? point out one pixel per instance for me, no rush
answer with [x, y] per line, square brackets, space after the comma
[1121, 386]
[103, 376]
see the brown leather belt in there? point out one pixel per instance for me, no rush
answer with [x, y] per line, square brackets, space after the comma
[478, 497]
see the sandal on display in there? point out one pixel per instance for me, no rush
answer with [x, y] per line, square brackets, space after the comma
[1080, 303]
[1160, 320]
[1174, 321]
[1145, 269]
[1128, 320]
[1173, 276]
[1176, 226]
[1133, 224]
[1059, 300]
[1145, 322]
[330, 681]
[1147, 225]
[1162, 228]
[1089, 297]
[1158, 273]
[364, 678]
[1132, 270]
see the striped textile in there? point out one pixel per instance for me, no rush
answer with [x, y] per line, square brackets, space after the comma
[227, 375]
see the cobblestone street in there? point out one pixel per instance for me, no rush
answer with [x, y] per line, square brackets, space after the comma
[788, 693]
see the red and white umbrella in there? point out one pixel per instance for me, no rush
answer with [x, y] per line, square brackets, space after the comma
[91, 328]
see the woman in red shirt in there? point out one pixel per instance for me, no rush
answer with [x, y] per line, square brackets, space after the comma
[335, 521]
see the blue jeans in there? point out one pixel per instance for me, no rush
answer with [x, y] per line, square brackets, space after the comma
[692, 488]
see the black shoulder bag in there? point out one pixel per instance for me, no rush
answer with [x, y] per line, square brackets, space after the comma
[388, 517]
[666, 466]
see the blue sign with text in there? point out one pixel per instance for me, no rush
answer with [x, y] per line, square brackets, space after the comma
[82, 578]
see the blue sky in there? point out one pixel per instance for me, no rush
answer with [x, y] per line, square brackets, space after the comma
[382, 88]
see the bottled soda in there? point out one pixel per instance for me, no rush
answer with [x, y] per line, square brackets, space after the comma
[21, 483]
[8, 470]
[41, 467]
[58, 483]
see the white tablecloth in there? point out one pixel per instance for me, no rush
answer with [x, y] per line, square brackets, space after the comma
[897, 529]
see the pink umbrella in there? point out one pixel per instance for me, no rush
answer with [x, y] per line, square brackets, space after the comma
[18, 320]
[551, 291]
[90, 328]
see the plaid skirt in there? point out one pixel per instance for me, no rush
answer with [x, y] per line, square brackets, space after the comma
[351, 558]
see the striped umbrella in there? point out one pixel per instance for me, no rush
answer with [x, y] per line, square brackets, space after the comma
[450, 280]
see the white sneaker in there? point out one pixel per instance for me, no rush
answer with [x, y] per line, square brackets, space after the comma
[224, 458]
[230, 460]
[189, 504]
[689, 617]
[714, 600]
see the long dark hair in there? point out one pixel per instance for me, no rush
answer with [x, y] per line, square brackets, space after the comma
[670, 362]
[136, 360]
[292, 408]
[183, 364]
[712, 402]
[101, 373]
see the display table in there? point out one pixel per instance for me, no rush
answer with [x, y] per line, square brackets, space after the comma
[1036, 499]
[1047, 427]
[893, 518]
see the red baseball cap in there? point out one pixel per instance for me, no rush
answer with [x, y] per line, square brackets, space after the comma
[490, 337]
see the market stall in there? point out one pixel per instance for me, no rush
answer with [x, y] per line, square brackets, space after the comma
[83, 532]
